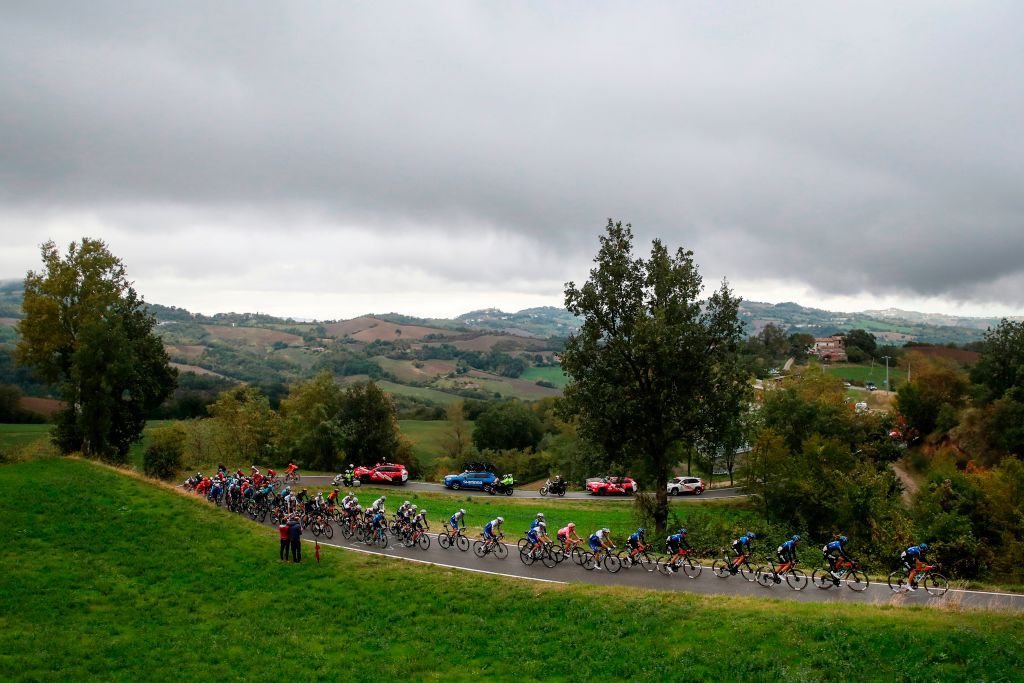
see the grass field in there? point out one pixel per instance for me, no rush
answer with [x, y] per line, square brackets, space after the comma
[553, 375]
[432, 395]
[21, 435]
[866, 373]
[428, 437]
[157, 586]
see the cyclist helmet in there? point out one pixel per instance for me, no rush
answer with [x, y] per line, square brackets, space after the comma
[383, 497]
[796, 538]
[751, 534]
[405, 503]
[843, 539]
[606, 530]
[641, 531]
[682, 532]
[423, 511]
[924, 547]
[570, 525]
[501, 520]
[540, 515]
[462, 510]
[414, 507]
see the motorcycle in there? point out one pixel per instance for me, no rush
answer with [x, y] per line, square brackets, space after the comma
[498, 487]
[557, 488]
[345, 479]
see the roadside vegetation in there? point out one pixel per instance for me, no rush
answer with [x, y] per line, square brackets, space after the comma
[146, 579]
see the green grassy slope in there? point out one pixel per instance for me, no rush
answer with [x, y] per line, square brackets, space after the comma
[141, 583]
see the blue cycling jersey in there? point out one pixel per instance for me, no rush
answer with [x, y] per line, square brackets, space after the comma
[636, 537]
[788, 547]
[915, 551]
[835, 545]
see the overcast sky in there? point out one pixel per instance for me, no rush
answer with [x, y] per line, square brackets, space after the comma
[332, 159]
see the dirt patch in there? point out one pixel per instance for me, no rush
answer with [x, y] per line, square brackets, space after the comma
[486, 342]
[43, 406]
[910, 485]
[368, 329]
[186, 351]
[182, 367]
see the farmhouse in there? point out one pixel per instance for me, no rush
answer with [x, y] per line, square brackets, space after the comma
[829, 349]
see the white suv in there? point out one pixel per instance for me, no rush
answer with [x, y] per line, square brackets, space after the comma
[680, 485]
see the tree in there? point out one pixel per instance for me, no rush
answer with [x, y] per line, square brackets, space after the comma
[649, 358]
[456, 440]
[1001, 365]
[936, 383]
[162, 458]
[86, 329]
[371, 425]
[507, 426]
[861, 339]
[248, 423]
[313, 430]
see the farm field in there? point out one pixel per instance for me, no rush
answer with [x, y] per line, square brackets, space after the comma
[423, 393]
[865, 373]
[428, 438]
[12, 435]
[143, 592]
[548, 374]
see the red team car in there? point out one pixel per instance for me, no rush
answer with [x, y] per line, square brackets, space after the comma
[382, 473]
[612, 486]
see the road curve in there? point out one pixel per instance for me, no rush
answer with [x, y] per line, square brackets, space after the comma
[735, 492]
[706, 584]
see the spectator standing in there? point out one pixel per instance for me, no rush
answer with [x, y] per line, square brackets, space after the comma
[295, 536]
[282, 530]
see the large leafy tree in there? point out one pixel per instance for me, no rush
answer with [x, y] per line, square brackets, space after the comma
[651, 358]
[87, 330]
[507, 426]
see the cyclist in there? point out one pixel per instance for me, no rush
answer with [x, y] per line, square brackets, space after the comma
[493, 528]
[253, 470]
[332, 499]
[453, 521]
[741, 546]
[636, 542]
[915, 553]
[676, 545]
[420, 520]
[567, 535]
[538, 534]
[834, 551]
[787, 554]
[379, 504]
[539, 519]
[600, 540]
[271, 474]
[378, 522]
[402, 511]
[292, 468]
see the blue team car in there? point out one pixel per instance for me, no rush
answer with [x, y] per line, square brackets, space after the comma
[469, 480]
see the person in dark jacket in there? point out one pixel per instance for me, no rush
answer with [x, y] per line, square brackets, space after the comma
[295, 536]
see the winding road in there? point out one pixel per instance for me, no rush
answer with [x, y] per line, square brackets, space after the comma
[707, 583]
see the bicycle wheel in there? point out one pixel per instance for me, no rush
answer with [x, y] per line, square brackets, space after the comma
[898, 581]
[382, 539]
[612, 563]
[936, 584]
[328, 530]
[478, 549]
[462, 542]
[665, 566]
[720, 569]
[796, 579]
[407, 541]
[526, 556]
[765, 577]
[692, 570]
[444, 540]
[857, 580]
[424, 542]
[521, 543]
[500, 550]
[578, 555]
[747, 573]
[822, 578]
[549, 556]
[588, 561]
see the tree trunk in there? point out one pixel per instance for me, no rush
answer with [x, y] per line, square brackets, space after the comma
[661, 499]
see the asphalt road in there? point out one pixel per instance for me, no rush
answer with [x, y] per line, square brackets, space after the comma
[707, 583]
[736, 492]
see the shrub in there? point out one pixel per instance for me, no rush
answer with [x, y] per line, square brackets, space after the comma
[163, 455]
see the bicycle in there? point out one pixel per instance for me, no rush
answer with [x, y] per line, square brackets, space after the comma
[824, 577]
[491, 545]
[726, 567]
[292, 477]
[377, 536]
[934, 583]
[608, 560]
[671, 565]
[795, 578]
[629, 558]
[416, 536]
[574, 552]
[452, 538]
[321, 525]
[530, 554]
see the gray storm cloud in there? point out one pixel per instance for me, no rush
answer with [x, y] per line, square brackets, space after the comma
[863, 147]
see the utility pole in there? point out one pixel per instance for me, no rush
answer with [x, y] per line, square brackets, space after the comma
[887, 387]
